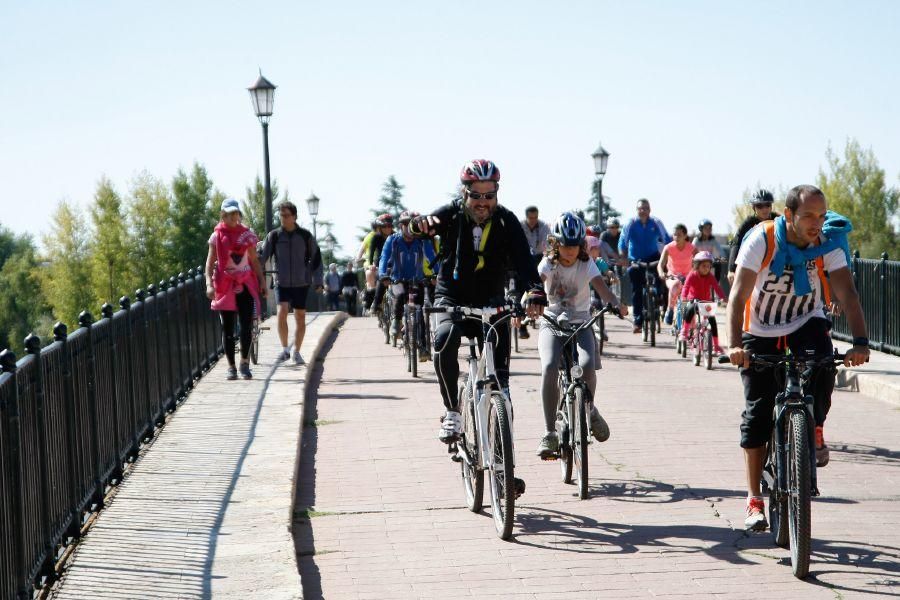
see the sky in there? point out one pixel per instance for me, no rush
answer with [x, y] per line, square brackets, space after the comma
[696, 101]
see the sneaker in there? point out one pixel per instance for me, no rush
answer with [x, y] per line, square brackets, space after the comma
[548, 449]
[519, 484]
[245, 371]
[822, 453]
[232, 373]
[599, 426]
[284, 355]
[523, 333]
[670, 314]
[637, 329]
[451, 427]
[756, 514]
[298, 360]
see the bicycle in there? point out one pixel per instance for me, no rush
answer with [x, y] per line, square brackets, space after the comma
[486, 442]
[789, 474]
[650, 314]
[574, 409]
[413, 326]
[701, 338]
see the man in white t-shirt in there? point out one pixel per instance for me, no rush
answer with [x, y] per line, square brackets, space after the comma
[765, 313]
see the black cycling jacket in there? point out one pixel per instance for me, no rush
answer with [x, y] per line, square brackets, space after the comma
[748, 224]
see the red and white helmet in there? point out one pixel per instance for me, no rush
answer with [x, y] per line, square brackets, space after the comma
[384, 220]
[479, 170]
[702, 256]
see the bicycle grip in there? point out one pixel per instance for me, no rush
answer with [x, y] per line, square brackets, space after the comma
[724, 360]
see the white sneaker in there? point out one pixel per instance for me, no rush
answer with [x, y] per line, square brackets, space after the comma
[451, 427]
[284, 355]
[298, 360]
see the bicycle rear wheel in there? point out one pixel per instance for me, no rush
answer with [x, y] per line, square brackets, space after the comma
[580, 446]
[799, 488]
[472, 476]
[503, 493]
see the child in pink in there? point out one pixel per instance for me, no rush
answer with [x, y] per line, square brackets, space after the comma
[675, 262]
[700, 285]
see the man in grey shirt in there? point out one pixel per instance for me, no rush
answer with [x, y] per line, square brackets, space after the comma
[536, 232]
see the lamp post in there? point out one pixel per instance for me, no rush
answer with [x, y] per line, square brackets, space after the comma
[601, 157]
[330, 243]
[262, 94]
[312, 203]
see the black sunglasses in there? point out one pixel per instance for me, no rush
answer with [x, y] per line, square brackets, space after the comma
[486, 196]
[763, 205]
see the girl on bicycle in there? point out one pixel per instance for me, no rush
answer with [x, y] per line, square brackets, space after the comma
[569, 274]
[700, 285]
[674, 265]
[234, 281]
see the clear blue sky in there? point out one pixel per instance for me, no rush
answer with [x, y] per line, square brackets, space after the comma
[695, 101]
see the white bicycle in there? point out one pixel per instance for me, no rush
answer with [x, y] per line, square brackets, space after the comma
[486, 443]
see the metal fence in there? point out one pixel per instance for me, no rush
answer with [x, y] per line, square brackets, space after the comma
[74, 413]
[878, 284]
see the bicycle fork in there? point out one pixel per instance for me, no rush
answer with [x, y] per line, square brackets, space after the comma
[791, 400]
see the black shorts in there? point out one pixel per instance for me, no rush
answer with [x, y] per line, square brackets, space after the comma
[295, 296]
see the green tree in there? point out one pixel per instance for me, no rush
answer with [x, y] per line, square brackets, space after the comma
[254, 207]
[110, 272]
[590, 211]
[12, 244]
[855, 187]
[192, 215]
[151, 231]
[65, 280]
[391, 199]
[22, 307]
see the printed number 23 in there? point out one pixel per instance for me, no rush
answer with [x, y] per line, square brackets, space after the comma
[787, 280]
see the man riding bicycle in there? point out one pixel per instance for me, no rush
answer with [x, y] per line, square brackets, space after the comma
[402, 260]
[772, 309]
[479, 239]
[642, 240]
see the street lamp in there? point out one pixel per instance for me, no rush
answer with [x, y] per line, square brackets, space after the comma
[262, 94]
[601, 157]
[312, 203]
[330, 243]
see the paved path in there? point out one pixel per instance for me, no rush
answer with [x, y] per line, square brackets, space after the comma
[205, 512]
[385, 516]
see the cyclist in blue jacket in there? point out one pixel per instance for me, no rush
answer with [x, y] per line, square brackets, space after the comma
[642, 240]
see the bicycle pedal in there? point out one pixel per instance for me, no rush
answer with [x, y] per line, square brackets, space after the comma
[550, 458]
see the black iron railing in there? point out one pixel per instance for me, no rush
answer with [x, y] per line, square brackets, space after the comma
[74, 413]
[878, 284]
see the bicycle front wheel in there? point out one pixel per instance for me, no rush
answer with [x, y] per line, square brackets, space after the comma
[778, 516]
[654, 320]
[413, 338]
[707, 340]
[254, 343]
[503, 487]
[799, 488]
[564, 433]
[580, 447]
[472, 476]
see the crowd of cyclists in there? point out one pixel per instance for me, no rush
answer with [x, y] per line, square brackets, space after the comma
[474, 252]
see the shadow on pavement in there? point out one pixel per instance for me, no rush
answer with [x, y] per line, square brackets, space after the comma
[868, 455]
[656, 492]
[357, 396]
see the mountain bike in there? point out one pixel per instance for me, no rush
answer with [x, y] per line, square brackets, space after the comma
[789, 474]
[386, 313]
[486, 443]
[413, 325]
[650, 314]
[574, 410]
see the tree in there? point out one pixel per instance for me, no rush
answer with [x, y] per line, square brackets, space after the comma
[12, 244]
[590, 211]
[254, 207]
[22, 307]
[855, 187]
[65, 281]
[193, 216]
[110, 272]
[391, 199]
[150, 228]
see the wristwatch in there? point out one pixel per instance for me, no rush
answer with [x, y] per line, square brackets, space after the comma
[861, 341]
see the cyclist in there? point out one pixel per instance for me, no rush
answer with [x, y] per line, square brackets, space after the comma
[402, 260]
[705, 240]
[349, 288]
[772, 308]
[385, 224]
[641, 241]
[362, 258]
[299, 265]
[700, 285]
[610, 237]
[234, 281]
[479, 238]
[761, 201]
[675, 262]
[569, 274]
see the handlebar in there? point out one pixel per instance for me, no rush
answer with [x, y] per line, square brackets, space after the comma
[646, 265]
[470, 311]
[564, 327]
[773, 360]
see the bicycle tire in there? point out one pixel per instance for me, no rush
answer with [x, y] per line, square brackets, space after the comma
[503, 497]
[413, 338]
[385, 321]
[654, 320]
[254, 343]
[799, 498]
[778, 517]
[707, 340]
[515, 332]
[563, 432]
[580, 447]
[405, 341]
[698, 347]
[599, 335]
[472, 477]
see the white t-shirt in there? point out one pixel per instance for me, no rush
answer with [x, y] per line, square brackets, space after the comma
[569, 288]
[774, 309]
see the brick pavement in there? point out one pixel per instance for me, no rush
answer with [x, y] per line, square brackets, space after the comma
[665, 518]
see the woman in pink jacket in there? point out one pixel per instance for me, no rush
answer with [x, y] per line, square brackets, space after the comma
[234, 281]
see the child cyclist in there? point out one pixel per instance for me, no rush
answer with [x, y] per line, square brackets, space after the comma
[569, 274]
[699, 285]
[676, 263]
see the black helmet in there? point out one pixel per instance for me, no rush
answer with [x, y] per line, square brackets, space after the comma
[761, 196]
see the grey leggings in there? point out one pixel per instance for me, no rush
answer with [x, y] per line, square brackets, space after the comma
[550, 349]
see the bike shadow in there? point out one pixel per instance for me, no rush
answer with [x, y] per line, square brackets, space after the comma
[657, 492]
[865, 454]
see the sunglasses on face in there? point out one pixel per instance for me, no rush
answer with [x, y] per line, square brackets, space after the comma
[765, 205]
[486, 196]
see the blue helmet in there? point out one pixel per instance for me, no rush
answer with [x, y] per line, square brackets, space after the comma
[569, 230]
